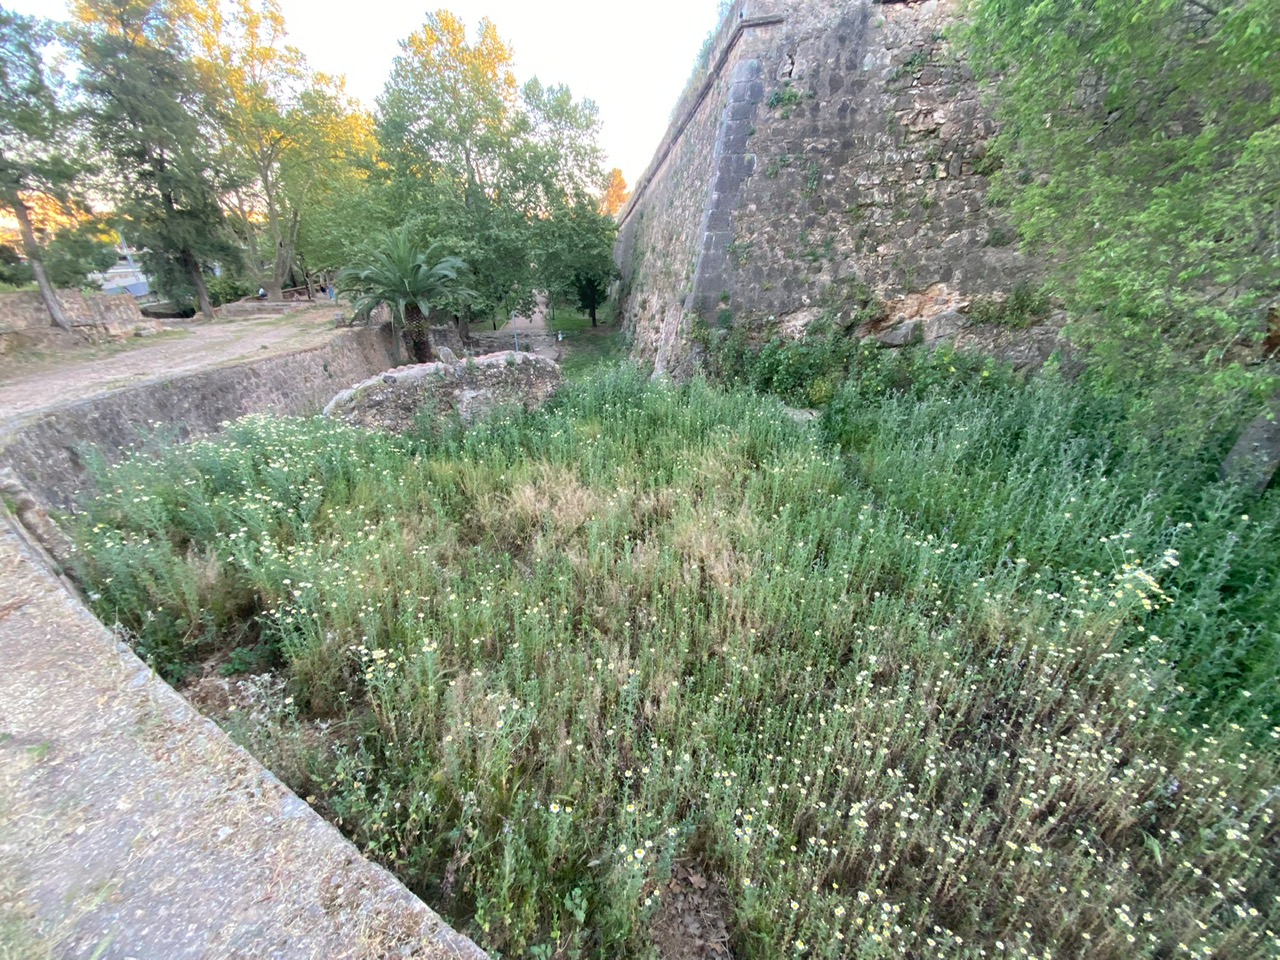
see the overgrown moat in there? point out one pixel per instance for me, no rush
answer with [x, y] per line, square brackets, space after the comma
[968, 665]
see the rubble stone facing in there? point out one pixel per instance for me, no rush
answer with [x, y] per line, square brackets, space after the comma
[397, 400]
[96, 316]
[840, 157]
[49, 453]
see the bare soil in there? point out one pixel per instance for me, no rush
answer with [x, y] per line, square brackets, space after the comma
[692, 920]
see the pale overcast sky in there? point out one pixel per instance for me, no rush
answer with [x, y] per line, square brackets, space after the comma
[631, 59]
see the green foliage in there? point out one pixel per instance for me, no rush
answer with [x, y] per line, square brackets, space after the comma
[813, 179]
[575, 254]
[149, 118]
[1141, 150]
[252, 659]
[410, 281]
[35, 126]
[1025, 305]
[226, 289]
[917, 60]
[14, 272]
[492, 166]
[292, 139]
[786, 97]
[587, 351]
[806, 372]
[38, 165]
[922, 678]
[1002, 237]
[76, 252]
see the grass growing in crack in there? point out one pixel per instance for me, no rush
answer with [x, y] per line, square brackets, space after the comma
[908, 680]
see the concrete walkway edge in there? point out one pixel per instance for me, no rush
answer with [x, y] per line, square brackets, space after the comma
[140, 830]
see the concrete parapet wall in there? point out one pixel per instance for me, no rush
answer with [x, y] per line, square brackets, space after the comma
[135, 828]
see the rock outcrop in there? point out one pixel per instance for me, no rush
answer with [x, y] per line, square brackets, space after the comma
[395, 401]
[1255, 458]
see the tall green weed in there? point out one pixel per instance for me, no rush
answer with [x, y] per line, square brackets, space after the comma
[882, 677]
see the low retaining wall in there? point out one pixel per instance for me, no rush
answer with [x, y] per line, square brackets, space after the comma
[25, 310]
[94, 315]
[240, 309]
[48, 454]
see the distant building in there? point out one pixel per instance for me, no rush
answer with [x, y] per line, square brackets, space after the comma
[125, 277]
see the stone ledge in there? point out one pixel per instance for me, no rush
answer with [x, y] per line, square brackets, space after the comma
[138, 829]
[47, 450]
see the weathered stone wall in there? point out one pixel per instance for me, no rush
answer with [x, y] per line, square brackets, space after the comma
[26, 311]
[239, 309]
[676, 217]
[846, 149]
[93, 314]
[48, 454]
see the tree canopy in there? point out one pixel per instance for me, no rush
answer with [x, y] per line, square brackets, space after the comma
[616, 194]
[219, 150]
[34, 130]
[150, 121]
[284, 131]
[410, 281]
[1141, 151]
[486, 165]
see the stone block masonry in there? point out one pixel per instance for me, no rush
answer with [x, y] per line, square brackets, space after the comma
[838, 158]
[681, 209]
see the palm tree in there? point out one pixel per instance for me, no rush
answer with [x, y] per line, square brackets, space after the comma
[410, 281]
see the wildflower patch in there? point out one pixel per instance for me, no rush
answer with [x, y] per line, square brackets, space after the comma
[891, 683]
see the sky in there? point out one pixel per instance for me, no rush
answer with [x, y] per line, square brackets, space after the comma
[632, 59]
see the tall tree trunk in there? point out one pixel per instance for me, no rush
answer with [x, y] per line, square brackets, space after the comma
[197, 281]
[47, 293]
[282, 272]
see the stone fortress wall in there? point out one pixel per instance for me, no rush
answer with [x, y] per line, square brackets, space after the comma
[836, 155]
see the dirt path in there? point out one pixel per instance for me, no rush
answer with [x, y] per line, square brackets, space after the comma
[26, 387]
[536, 323]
